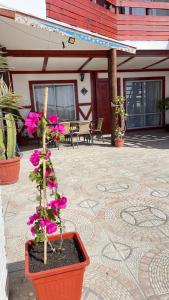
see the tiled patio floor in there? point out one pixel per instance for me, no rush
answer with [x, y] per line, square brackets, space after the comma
[119, 203]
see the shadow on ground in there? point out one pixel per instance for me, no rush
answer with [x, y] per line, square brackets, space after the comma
[19, 287]
[157, 139]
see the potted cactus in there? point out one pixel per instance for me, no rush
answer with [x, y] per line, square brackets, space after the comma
[54, 263]
[9, 158]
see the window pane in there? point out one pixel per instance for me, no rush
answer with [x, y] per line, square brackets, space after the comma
[61, 100]
[139, 11]
[160, 12]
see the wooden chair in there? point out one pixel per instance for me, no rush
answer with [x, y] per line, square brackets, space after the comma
[98, 130]
[84, 130]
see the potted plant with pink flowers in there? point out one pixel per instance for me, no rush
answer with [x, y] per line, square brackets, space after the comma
[55, 263]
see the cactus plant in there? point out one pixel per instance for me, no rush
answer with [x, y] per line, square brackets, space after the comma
[8, 101]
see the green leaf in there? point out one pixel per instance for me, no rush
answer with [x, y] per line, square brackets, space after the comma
[38, 198]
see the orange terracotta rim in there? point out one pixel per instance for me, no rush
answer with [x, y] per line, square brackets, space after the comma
[9, 161]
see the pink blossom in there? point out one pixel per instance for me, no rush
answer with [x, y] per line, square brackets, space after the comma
[44, 222]
[34, 117]
[53, 119]
[31, 126]
[52, 184]
[35, 157]
[49, 172]
[32, 219]
[32, 121]
[33, 231]
[58, 203]
[51, 228]
[56, 138]
[62, 202]
[48, 154]
[58, 128]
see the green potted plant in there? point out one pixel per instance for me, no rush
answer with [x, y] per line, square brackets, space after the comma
[120, 119]
[119, 137]
[55, 263]
[9, 158]
[164, 106]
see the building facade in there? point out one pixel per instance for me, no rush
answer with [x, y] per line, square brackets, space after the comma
[77, 72]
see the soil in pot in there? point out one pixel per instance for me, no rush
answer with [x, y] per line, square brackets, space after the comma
[70, 254]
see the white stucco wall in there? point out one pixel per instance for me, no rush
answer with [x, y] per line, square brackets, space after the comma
[32, 7]
[3, 268]
[21, 87]
[143, 74]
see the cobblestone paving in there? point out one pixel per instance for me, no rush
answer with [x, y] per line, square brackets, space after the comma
[118, 202]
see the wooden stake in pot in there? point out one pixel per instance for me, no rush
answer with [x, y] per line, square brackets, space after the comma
[45, 103]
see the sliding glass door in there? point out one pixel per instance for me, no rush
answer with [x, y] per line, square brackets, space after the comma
[61, 100]
[142, 99]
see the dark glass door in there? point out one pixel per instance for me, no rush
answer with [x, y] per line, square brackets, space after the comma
[142, 98]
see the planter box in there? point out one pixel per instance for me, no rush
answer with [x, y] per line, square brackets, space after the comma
[9, 170]
[119, 143]
[62, 283]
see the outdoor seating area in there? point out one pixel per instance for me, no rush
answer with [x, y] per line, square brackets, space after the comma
[119, 208]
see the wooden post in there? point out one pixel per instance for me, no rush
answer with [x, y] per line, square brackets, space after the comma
[45, 102]
[112, 74]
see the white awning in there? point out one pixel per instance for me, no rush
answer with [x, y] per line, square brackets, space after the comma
[80, 34]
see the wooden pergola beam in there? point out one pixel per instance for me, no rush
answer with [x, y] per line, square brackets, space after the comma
[45, 62]
[125, 61]
[156, 63]
[85, 63]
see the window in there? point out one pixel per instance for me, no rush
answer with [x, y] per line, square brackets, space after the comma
[139, 11]
[61, 99]
[160, 12]
[142, 98]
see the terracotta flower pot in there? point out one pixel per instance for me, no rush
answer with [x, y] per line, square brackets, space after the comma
[119, 142]
[62, 283]
[9, 170]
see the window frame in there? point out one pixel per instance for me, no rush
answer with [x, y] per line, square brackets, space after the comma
[54, 82]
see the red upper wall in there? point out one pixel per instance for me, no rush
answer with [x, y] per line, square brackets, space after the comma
[108, 21]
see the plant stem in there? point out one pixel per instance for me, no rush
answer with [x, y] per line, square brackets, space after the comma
[44, 166]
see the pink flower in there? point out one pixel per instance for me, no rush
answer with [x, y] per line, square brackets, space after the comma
[53, 119]
[31, 127]
[32, 121]
[58, 128]
[62, 202]
[51, 228]
[52, 184]
[32, 219]
[48, 154]
[33, 231]
[35, 157]
[56, 138]
[34, 117]
[58, 203]
[49, 172]
[44, 222]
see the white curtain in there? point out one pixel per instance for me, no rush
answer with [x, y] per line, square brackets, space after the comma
[61, 100]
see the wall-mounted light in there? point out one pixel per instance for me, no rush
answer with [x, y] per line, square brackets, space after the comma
[71, 40]
[82, 76]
